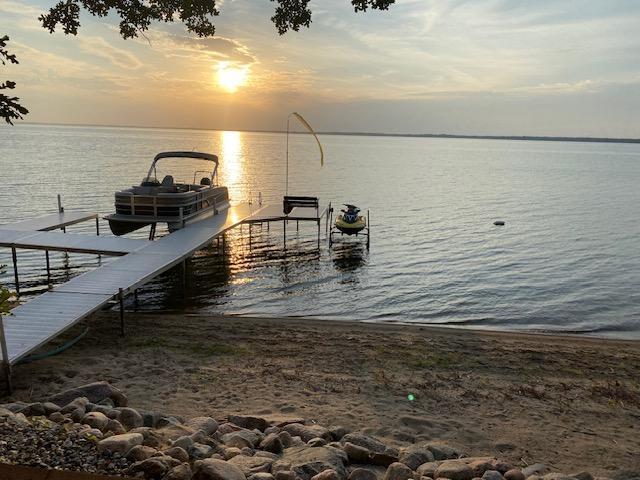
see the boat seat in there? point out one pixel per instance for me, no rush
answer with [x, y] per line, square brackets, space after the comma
[167, 181]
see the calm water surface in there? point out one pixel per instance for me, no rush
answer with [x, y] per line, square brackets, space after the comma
[567, 260]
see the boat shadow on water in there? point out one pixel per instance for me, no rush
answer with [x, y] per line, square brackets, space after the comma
[349, 257]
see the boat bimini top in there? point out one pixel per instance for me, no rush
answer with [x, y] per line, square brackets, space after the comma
[193, 155]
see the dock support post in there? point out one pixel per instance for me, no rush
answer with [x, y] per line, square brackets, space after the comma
[16, 280]
[297, 225]
[249, 235]
[61, 210]
[6, 365]
[121, 301]
[46, 254]
[97, 226]
[285, 234]
[318, 234]
[152, 232]
[368, 230]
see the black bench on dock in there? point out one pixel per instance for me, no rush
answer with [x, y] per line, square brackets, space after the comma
[291, 202]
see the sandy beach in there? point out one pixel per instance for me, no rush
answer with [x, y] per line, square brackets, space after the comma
[571, 402]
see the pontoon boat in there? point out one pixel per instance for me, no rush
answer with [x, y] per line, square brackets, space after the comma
[176, 204]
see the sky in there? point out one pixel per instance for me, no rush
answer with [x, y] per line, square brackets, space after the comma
[495, 67]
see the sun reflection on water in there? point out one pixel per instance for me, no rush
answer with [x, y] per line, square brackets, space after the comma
[232, 162]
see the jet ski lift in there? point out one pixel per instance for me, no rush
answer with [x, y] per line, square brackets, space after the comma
[349, 222]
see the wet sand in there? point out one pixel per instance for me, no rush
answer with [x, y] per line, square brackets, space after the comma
[570, 402]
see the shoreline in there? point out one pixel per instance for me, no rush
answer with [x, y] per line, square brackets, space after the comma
[564, 400]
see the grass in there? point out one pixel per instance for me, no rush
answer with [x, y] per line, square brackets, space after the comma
[198, 349]
[617, 392]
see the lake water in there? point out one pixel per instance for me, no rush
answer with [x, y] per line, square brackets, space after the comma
[568, 258]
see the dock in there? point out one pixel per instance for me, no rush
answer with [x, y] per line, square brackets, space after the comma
[38, 321]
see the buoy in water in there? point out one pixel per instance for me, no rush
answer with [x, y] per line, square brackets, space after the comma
[499, 223]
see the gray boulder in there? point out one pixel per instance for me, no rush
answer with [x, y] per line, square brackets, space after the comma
[492, 475]
[241, 439]
[130, 418]
[305, 462]
[207, 425]
[95, 392]
[415, 455]
[370, 443]
[398, 471]
[96, 420]
[179, 472]
[120, 443]
[307, 432]
[362, 474]
[272, 443]
[251, 465]
[454, 470]
[249, 422]
[214, 469]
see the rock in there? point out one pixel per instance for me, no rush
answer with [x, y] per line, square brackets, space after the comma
[95, 392]
[562, 476]
[582, 476]
[241, 439]
[370, 443]
[76, 403]
[77, 415]
[501, 466]
[57, 417]
[270, 430]
[514, 474]
[179, 472]
[398, 471]
[362, 474]
[386, 458]
[261, 476]
[307, 432]
[96, 420]
[92, 434]
[249, 422]
[141, 452]
[479, 466]
[130, 418]
[115, 426]
[492, 475]
[281, 421]
[50, 407]
[428, 469]
[285, 438]
[231, 452]
[272, 443]
[442, 452]
[199, 451]
[34, 410]
[207, 425]
[317, 442]
[306, 462]
[185, 442]
[251, 465]
[213, 469]
[454, 470]
[153, 468]
[533, 469]
[356, 453]
[228, 427]
[270, 455]
[328, 474]
[337, 432]
[177, 453]
[415, 455]
[120, 443]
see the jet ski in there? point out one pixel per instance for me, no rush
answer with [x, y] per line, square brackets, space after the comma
[350, 221]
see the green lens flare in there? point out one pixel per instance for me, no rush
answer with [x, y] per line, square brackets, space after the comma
[411, 397]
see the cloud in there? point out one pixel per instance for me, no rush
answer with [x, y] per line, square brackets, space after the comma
[99, 47]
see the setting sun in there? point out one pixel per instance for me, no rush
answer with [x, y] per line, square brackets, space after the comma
[230, 78]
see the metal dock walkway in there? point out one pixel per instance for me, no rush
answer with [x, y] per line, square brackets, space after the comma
[39, 320]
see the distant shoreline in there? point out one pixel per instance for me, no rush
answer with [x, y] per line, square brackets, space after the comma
[530, 138]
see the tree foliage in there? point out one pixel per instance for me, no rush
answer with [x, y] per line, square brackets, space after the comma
[137, 15]
[10, 109]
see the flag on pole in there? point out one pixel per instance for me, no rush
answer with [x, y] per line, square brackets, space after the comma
[308, 127]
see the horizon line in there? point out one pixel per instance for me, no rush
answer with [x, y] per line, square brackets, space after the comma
[536, 138]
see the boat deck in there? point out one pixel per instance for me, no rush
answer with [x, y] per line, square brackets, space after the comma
[45, 317]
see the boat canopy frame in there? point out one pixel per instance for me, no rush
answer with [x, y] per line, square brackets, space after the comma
[193, 155]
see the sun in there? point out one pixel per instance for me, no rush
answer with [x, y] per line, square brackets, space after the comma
[230, 78]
